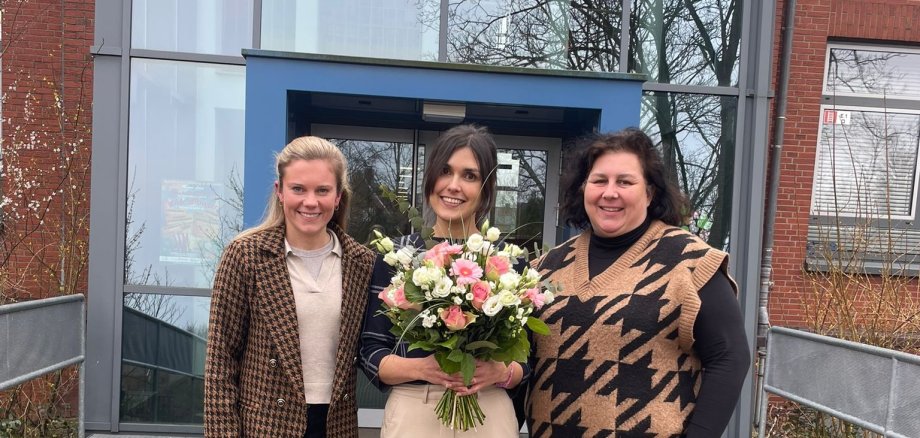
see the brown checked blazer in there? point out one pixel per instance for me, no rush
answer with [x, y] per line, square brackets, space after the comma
[253, 377]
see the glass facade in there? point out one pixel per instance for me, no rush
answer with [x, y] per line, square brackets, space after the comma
[695, 133]
[185, 164]
[219, 27]
[185, 145]
[162, 368]
[692, 42]
[394, 29]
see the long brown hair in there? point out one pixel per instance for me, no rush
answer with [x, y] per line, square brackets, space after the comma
[480, 141]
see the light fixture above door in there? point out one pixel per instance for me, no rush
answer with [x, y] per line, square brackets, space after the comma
[443, 112]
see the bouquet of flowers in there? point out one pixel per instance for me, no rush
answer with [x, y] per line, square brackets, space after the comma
[464, 302]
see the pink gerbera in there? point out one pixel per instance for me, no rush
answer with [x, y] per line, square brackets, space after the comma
[466, 271]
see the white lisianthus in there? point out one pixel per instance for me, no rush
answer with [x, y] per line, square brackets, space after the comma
[524, 320]
[390, 258]
[469, 296]
[442, 288]
[459, 290]
[533, 275]
[509, 280]
[474, 242]
[548, 297]
[514, 250]
[492, 306]
[404, 255]
[457, 300]
[425, 276]
[508, 298]
[486, 248]
[492, 234]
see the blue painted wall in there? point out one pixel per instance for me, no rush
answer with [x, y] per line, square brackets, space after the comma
[268, 79]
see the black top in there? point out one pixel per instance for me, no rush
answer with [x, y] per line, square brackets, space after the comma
[720, 340]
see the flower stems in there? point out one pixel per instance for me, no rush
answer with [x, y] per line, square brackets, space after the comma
[459, 412]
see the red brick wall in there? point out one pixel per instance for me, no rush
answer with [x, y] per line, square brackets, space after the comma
[47, 95]
[895, 22]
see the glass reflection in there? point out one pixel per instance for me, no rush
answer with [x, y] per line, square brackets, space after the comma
[185, 169]
[696, 134]
[163, 351]
[693, 42]
[520, 196]
[523, 33]
[372, 165]
[873, 72]
[220, 27]
[394, 29]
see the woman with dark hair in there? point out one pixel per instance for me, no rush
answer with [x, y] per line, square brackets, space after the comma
[286, 309]
[646, 335]
[459, 187]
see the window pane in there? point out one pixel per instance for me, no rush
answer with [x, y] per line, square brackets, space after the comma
[163, 350]
[372, 164]
[693, 42]
[696, 134]
[185, 167]
[873, 72]
[520, 196]
[221, 27]
[866, 165]
[524, 33]
[394, 29]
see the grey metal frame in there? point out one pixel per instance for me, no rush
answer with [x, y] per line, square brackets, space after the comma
[796, 370]
[42, 336]
[113, 55]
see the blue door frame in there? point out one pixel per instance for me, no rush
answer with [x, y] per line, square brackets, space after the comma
[270, 76]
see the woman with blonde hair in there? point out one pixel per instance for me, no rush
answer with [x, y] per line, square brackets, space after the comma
[286, 309]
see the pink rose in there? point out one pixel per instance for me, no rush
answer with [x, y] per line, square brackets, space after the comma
[496, 266]
[441, 253]
[535, 297]
[466, 271]
[397, 298]
[481, 291]
[456, 319]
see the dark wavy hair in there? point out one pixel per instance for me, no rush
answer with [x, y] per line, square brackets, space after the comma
[480, 141]
[668, 203]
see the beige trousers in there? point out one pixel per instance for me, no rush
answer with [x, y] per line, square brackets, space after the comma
[409, 413]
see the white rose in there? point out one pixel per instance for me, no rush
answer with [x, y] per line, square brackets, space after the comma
[390, 258]
[508, 298]
[492, 306]
[474, 242]
[492, 234]
[404, 255]
[509, 280]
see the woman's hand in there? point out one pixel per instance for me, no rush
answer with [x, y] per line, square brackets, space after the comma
[427, 369]
[488, 374]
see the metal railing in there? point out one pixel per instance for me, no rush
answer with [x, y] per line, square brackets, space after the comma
[874, 388]
[41, 336]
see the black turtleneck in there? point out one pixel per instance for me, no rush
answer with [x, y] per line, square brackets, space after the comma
[719, 337]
